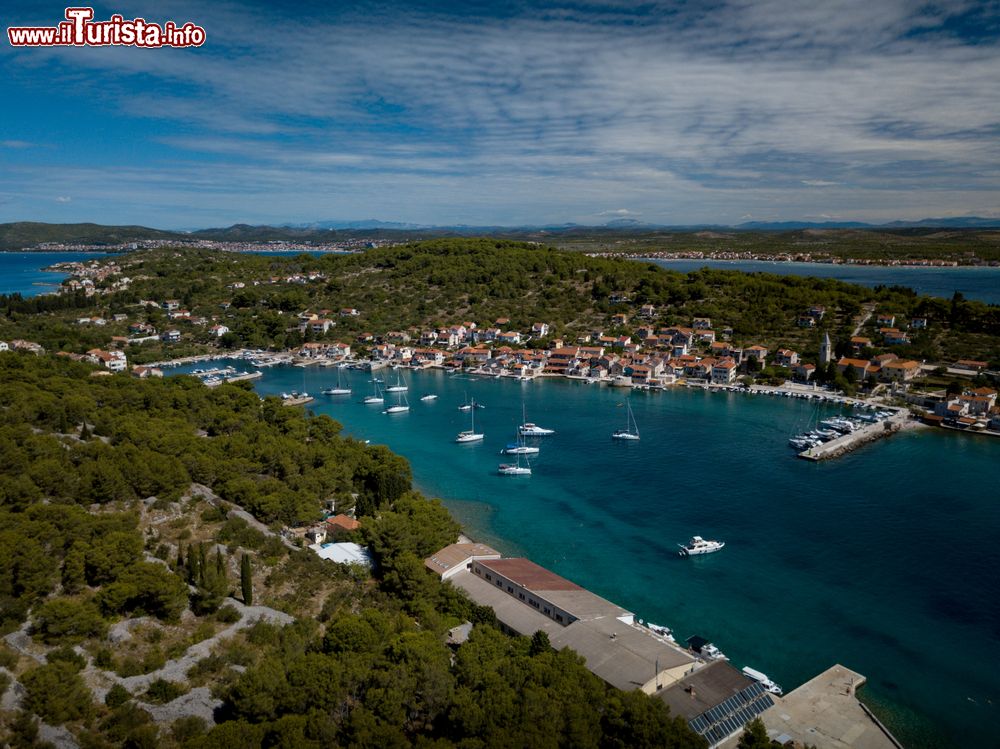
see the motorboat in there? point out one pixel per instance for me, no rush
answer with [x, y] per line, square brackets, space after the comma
[531, 429]
[698, 545]
[428, 397]
[762, 679]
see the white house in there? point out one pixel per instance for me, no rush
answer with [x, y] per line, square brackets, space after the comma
[218, 330]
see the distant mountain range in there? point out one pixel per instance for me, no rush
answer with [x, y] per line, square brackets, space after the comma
[25, 234]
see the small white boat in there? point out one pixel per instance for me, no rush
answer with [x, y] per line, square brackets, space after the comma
[517, 449]
[340, 389]
[631, 430]
[470, 435]
[400, 406]
[698, 545]
[399, 387]
[531, 429]
[512, 469]
[376, 397]
[763, 679]
[428, 397]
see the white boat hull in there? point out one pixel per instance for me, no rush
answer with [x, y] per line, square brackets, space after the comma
[337, 391]
[513, 471]
[397, 409]
[624, 436]
[371, 400]
[470, 438]
[521, 450]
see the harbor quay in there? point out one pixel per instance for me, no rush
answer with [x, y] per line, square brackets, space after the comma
[853, 440]
[826, 713]
[696, 682]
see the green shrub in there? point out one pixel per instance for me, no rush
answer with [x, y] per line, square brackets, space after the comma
[57, 694]
[64, 620]
[161, 691]
[117, 696]
[66, 654]
[228, 614]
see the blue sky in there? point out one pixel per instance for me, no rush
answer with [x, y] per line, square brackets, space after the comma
[510, 113]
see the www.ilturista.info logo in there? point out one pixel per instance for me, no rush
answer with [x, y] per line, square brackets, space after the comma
[80, 30]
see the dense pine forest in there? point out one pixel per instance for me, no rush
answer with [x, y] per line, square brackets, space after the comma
[142, 607]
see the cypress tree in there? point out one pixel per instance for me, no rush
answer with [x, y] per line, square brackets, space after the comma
[246, 580]
[202, 564]
[192, 564]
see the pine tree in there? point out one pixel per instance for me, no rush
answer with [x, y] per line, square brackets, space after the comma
[246, 580]
[220, 563]
[84, 432]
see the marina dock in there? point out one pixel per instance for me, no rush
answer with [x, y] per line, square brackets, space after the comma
[853, 440]
[825, 713]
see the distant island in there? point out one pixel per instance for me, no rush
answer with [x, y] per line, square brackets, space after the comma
[965, 241]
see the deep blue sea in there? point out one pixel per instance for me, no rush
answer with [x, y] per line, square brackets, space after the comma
[975, 283]
[22, 271]
[884, 560]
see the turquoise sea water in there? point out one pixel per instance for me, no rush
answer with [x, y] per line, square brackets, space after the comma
[20, 272]
[975, 283]
[884, 560]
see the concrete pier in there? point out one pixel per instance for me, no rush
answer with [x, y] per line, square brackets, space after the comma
[848, 442]
[825, 713]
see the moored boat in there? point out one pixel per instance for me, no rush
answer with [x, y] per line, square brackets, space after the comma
[698, 545]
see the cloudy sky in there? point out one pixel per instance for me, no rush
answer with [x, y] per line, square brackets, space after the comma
[510, 113]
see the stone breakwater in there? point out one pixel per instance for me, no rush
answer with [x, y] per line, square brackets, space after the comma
[866, 435]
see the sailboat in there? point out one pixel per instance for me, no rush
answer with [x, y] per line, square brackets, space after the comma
[340, 389]
[376, 396]
[514, 469]
[399, 387]
[401, 405]
[468, 405]
[517, 447]
[530, 429]
[631, 430]
[470, 435]
[428, 397]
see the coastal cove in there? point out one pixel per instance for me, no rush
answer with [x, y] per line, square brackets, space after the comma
[980, 283]
[849, 561]
[21, 272]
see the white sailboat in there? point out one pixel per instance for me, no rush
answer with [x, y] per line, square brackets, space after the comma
[400, 406]
[518, 447]
[399, 387]
[514, 469]
[471, 435]
[376, 397]
[468, 405]
[631, 430]
[531, 429]
[340, 389]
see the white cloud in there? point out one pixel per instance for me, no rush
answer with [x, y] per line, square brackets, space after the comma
[687, 116]
[63, 199]
[620, 213]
